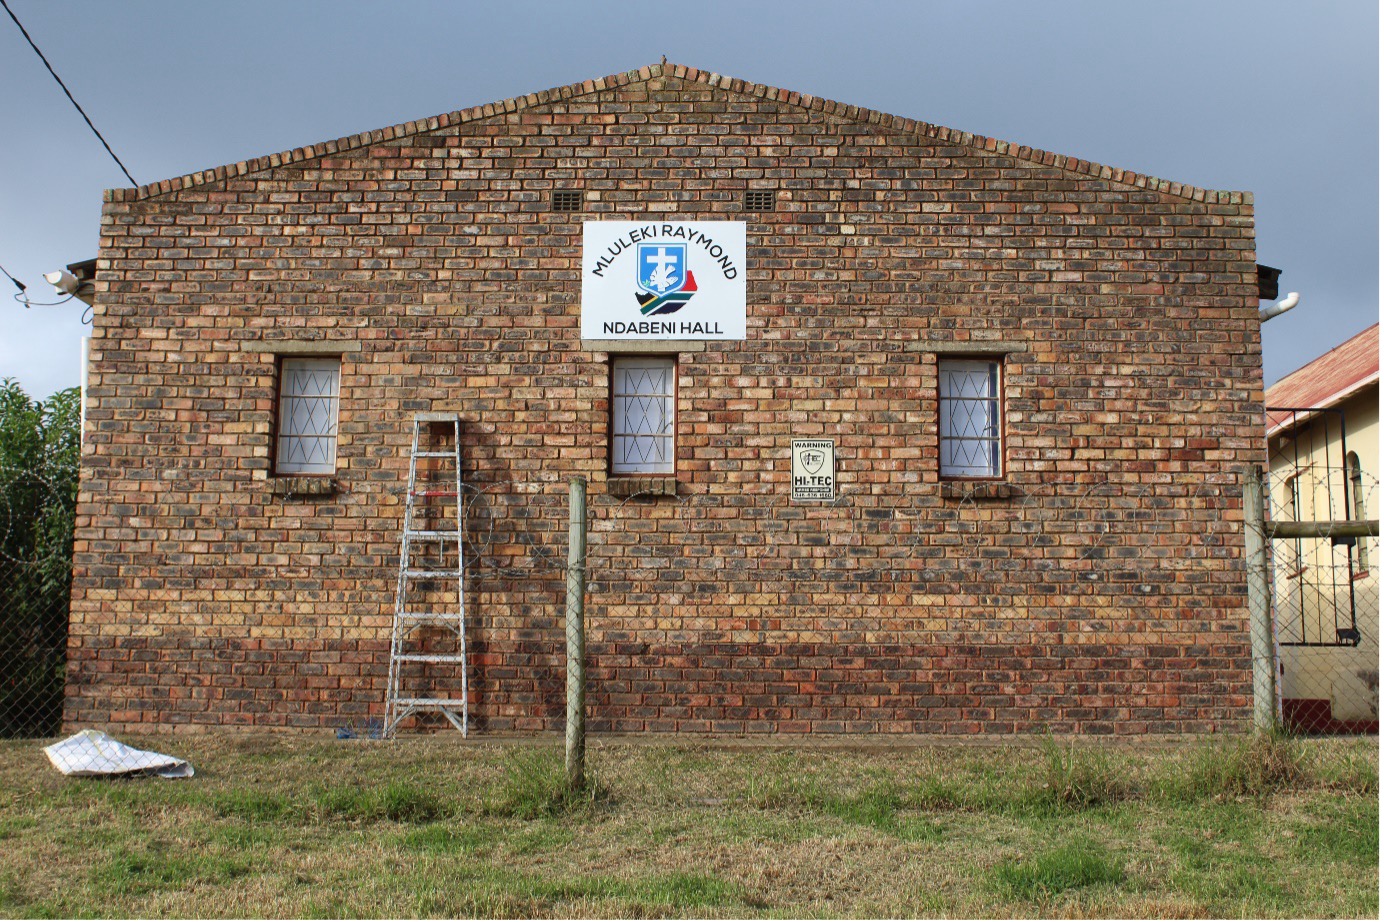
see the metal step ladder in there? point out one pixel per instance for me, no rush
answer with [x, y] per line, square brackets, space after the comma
[447, 542]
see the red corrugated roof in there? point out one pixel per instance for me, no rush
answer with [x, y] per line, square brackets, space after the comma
[1327, 379]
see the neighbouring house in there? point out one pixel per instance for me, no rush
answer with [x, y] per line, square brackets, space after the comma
[887, 427]
[1323, 434]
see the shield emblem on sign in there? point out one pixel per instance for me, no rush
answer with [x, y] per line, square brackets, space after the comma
[662, 267]
[812, 459]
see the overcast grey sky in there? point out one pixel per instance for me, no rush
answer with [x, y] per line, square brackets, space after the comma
[1277, 98]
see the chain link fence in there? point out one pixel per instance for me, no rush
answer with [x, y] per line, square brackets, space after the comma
[696, 604]
[35, 587]
[299, 636]
[759, 579]
[969, 608]
[1325, 588]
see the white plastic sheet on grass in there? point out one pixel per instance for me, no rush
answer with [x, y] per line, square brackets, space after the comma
[92, 753]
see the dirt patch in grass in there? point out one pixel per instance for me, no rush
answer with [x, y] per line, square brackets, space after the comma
[292, 826]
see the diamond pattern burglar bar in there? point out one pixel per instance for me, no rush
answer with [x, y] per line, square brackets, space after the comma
[432, 556]
[308, 401]
[643, 412]
[970, 418]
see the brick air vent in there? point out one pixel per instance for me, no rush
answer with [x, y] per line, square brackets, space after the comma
[567, 200]
[759, 200]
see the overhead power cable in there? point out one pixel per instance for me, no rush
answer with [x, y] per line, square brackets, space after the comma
[17, 283]
[68, 92]
[22, 296]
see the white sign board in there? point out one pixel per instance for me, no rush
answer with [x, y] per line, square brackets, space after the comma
[663, 280]
[814, 469]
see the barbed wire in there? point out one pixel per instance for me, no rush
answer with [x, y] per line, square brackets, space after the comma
[1102, 549]
[51, 493]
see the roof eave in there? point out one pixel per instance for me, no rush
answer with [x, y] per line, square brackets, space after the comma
[1341, 396]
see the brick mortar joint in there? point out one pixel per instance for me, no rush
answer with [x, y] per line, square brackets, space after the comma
[722, 82]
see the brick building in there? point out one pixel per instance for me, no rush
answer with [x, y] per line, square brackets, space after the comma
[1038, 375]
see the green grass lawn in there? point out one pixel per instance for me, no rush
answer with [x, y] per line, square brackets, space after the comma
[298, 826]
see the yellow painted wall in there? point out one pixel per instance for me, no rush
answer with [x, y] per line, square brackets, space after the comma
[1312, 580]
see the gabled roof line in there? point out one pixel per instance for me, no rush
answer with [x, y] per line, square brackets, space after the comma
[1328, 353]
[732, 84]
[1331, 378]
[1280, 421]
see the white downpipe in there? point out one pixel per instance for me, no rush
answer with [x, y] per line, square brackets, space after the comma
[1282, 307]
[86, 360]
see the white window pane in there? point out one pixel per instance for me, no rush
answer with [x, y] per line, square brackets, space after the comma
[968, 419]
[970, 458]
[309, 398]
[644, 453]
[643, 416]
[644, 378]
[969, 379]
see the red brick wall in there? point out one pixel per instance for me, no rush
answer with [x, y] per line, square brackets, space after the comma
[1104, 595]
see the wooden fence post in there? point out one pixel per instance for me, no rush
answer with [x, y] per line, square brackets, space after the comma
[1260, 599]
[576, 634]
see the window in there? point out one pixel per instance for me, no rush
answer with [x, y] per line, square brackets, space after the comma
[1357, 496]
[759, 200]
[309, 392]
[567, 200]
[969, 408]
[643, 398]
[1292, 509]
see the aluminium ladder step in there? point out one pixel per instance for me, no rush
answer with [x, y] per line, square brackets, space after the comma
[435, 454]
[429, 702]
[430, 615]
[444, 710]
[433, 535]
[433, 493]
[429, 657]
[431, 574]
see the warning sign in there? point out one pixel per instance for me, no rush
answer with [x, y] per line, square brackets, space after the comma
[814, 469]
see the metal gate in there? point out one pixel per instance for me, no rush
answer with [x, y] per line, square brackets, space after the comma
[1321, 531]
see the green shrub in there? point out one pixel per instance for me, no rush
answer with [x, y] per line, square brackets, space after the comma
[39, 450]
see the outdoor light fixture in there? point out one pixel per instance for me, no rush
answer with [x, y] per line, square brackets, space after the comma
[64, 282]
